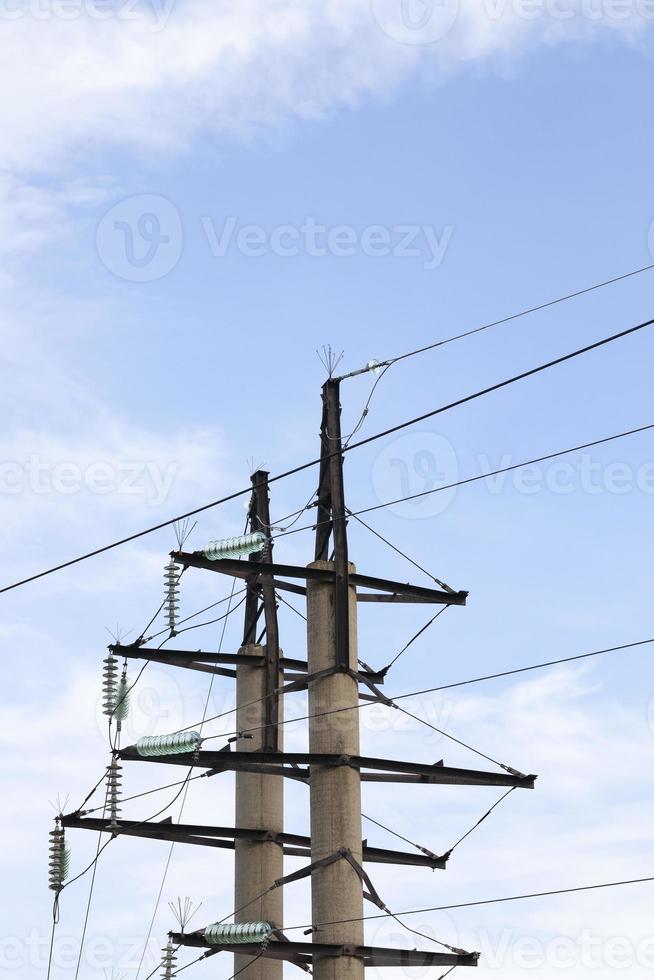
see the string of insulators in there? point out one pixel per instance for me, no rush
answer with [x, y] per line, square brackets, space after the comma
[59, 858]
[178, 744]
[114, 791]
[109, 684]
[245, 544]
[121, 709]
[233, 935]
[171, 579]
[168, 961]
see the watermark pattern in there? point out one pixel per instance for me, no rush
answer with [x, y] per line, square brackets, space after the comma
[416, 21]
[416, 463]
[317, 240]
[424, 465]
[141, 239]
[586, 949]
[36, 475]
[153, 14]
[423, 22]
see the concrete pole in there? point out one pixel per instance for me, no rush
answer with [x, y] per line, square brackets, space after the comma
[337, 891]
[259, 806]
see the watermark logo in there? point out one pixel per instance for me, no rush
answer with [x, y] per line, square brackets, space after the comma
[414, 465]
[416, 21]
[154, 14]
[141, 238]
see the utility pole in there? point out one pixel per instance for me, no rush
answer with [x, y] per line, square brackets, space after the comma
[259, 803]
[333, 768]
[332, 657]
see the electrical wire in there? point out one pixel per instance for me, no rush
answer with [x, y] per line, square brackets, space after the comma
[198, 613]
[366, 409]
[148, 792]
[415, 636]
[290, 606]
[424, 935]
[138, 823]
[443, 687]
[91, 890]
[481, 476]
[394, 833]
[211, 622]
[356, 445]
[452, 738]
[507, 319]
[481, 820]
[466, 905]
[185, 796]
[398, 551]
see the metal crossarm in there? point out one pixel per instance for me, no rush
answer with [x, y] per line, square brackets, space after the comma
[390, 768]
[372, 956]
[395, 591]
[293, 845]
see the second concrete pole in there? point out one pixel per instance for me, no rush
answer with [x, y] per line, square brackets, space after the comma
[337, 891]
[259, 806]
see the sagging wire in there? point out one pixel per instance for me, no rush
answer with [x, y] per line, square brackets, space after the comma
[212, 605]
[380, 371]
[297, 612]
[394, 833]
[415, 636]
[452, 738]
[108, 796]
[399, 551]
[481, 819]
[147, 792]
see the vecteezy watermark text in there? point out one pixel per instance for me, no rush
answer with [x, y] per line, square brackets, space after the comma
[317, 240]
[417, 475]
[154, 14]
[422, 22]
[141, 239]
[36, 475]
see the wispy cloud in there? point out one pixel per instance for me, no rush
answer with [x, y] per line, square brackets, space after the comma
[158, 74]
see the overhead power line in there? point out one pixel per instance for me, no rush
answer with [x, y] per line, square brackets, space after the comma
[486, 901]
[507, 319]
[429, 690]
[346, 449]
[474, 479]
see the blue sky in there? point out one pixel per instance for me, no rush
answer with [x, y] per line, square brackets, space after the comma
[149, 355]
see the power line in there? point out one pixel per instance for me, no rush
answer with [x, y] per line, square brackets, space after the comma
[397, 550]
[90, 898]
[185, 796]
[442, 687]
[466, 905]
[502, 384]
[471, 748]
[481, 819]
[394, 833]
[481, 476]
[415, 636]
[507, 319]
[356, 445]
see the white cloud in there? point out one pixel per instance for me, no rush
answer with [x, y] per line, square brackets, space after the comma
[555, 837]
[157, 76]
